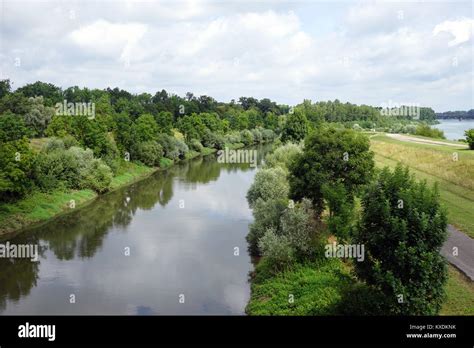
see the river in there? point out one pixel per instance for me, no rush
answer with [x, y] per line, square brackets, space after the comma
[454, 129]
[164, 245]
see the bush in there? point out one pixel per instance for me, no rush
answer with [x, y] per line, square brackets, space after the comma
[269, 184]
[148, 152]
[53, 144]
[257, 136]
[195, 145]
[246, 137]
[268, 135]
[283, 156]
[73, 168]
[266, 216]
[427, 131]
[298, 225]
[16, 165]
[403, 229]
[98, 177]
[276, 249]
[470, 138]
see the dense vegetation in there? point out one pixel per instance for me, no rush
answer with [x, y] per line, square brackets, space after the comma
[86, 150]
[456, 114]
[400, 224]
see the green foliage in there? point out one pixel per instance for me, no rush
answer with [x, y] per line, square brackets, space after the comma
[12, 127]
[426, 131]
[341, 208]
[195, 145]
[38, 117]
[299, 227]
[277, 250]
[148, 152]
[164, 120]
[246, 137]
[296, 127]
[74, 168]
[266, 216]
[283, 156]
[269, 184]
[470, 138]
[329, 156]
[403, 228]
[145, 129]
[16, 162]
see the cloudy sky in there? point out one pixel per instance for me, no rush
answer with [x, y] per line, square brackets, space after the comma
[363, 52]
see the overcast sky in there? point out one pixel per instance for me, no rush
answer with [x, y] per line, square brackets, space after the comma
[361, 52]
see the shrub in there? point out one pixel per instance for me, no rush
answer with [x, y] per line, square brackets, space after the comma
[53, 144]
[195, 145]
[148, 152]
[99, 176]
[296, 127]
[16, 165]
[266, 215]
[269, 183]
[426, 131]
[283, 156]
[403, 229]
[470, 138]
[276, 249]
[246, 137]
[268, 135]
[257, 136]
[298, 225]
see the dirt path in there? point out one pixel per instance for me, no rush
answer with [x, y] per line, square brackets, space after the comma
[403, 137]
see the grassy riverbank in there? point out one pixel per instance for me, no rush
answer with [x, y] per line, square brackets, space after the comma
[39, 206]
[435, 163]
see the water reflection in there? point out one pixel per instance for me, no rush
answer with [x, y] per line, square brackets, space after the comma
[173, 250]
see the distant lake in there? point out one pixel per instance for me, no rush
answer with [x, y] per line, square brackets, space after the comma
[454, 129]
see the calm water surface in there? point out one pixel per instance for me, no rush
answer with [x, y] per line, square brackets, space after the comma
[454, 129]
[173, 251]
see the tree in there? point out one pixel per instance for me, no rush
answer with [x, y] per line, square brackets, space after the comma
[296, 127]
[330, 156]
[470, 138]
[12, 127]
[403, 228]
[269, 184]
[5, 88]
[145, 128]
[39, 116]
[164, 120]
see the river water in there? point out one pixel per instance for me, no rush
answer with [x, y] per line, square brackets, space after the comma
[165, 245]
[454, 129]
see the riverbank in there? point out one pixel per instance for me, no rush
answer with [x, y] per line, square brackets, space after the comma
[40, 207]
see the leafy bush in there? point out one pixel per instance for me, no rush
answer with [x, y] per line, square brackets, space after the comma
[277, 249]
[426, 131]
[470, 138]
[266, 216]
[16, 165]
[283, 155]
[148, 152]
[99, 176]
[403, 229]
[246, 137]
[269, 183]
[195, 145]
[257, 136]
[298, 226]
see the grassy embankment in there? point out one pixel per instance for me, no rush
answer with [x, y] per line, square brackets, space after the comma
[322, 289]
[435, 163]
[39, 207]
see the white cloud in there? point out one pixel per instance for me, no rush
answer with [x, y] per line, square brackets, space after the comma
[461, 30]
[376, 51]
